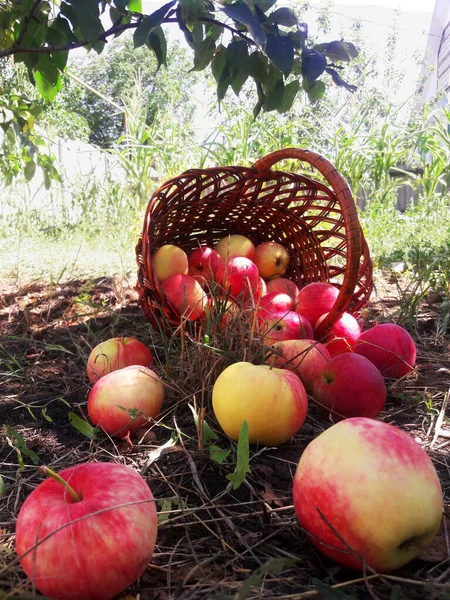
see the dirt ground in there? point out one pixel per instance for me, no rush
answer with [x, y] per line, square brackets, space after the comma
[210, 539]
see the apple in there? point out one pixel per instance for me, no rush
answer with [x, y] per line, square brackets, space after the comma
[93, 543]
[306, 358]
[203, 263]
[274, 302]
[272, 401]
[375, 486]
[123, 401]
[262, 286]
[238, 276]
[350, 386]
[284, 286]
[169, 260]
[185, 295]
[390, 347]
[272, 259]
[282, 325]
[343, 335]
[117, 353]
[316, 299]
[235, 245]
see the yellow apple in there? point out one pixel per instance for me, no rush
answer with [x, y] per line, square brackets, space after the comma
[272, 259]
[235, 245]
[169, 260]
[272, 401]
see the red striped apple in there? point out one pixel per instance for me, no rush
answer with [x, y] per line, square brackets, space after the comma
[272, 259]
[306, 358]
[272, 401]
[169, 260]
[185, 295]
[238, 276]
[315, 299]
[376, 487]
[343, 335]
[284, 286]
[93, 541]
[203, 263]
[350, 386]
[282, 325]
[124, 401]
[117, 353]
[274, 302]
[390, 347]
[235, 245]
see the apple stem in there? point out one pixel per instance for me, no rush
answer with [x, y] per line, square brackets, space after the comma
[69, 489]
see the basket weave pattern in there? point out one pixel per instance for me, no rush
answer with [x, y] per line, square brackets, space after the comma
[315, 222]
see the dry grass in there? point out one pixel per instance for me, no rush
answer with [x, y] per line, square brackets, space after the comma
[211, 538]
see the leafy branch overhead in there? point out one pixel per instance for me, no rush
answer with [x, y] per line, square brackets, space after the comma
[246, 39]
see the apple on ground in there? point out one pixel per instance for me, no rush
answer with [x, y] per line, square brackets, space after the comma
[123, 401]
[235, 245]
[282, 325]
[185, 295]
[262, 286]
[272, 401]
[376, 486]
[350, 386]
[316, 299]
[390, 347]
[239, 277]
[306, 358]
[117, 353]
[272, 259]
[284, 286]
[169, 260]
[92, 545]
[343, 335]
[274, 302]
[203, 263]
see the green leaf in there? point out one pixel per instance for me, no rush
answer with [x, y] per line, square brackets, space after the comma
[217, 454]
[204, 54]
[46, 416]
[289, 94]
[239, 78]
[241, 12]
[147, 25]
[237, 478]
[316, 91]
[237, 54]
[157, 42]
[218, 62]
[274, 97]
[135, 6]
[29, 170]
[313, 65]
[88, 19]
[257, 66]
[2, 487]
[48, 78]
[83, 426]
[337, 79]
[60, 59]
[121, 4]
[55, 36]
[329, 593]
[20, 446]
[280, 50]
[338, 51]
[264, 5]
[283, 16]
[191, 10]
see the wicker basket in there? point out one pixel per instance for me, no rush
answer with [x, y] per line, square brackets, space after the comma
[317, 223]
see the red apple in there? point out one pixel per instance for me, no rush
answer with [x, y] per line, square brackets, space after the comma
[306, 358]
[185, 295]
[366, 485]
[284, 286]
[282, 325]
[350, 386]
[272, 259]
[235, 245]
[343, 335]
[239, 276]
[169, 260]
[117, 353]
[92, 545]
[203, 263]
[276, 302]
[124, 401]
[390, 347]
[315, 299]
[262, 286]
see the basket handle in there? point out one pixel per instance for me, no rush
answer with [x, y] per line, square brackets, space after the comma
[353, 233]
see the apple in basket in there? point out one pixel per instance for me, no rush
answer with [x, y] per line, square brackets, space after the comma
[343, 335]
[123, 401]
[272, 259]
[88, 532]
[203, 263]
[367, 491]
[239, 277]
[350, 386]
[185, 295]
[169, 260]
[316, 299]
[390, 347]
[306, 358]
[117, 353]
[272, 401]
[282, 325]
[284, 286]
[235, 245]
